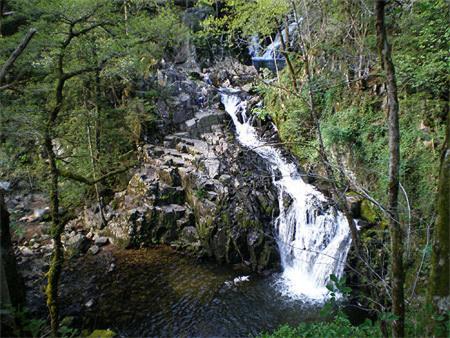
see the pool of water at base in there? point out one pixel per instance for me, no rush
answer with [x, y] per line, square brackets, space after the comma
[157, 292]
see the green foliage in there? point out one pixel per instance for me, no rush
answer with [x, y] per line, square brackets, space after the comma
[102, 118]
[200, 193]
[24, 325]
[421, 55]
[340, 326]
[262, 114]
[242, 18]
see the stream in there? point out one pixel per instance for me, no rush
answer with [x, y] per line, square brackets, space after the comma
[158, 292]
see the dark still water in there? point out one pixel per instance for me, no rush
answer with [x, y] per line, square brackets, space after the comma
[156, 292]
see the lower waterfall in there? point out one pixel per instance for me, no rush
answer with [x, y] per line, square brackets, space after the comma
[313, 237]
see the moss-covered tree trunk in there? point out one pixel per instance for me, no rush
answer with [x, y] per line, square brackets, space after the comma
[439, 286]
[57, 228]
[397, 273]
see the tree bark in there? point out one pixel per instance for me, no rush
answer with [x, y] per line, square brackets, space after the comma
[397, 273]
[2, 8]
[284, 51]
[12, 287]
[57, 228]
[57, 225]
[438, 292]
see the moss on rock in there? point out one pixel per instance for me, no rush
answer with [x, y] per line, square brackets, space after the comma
[102, 334]
[368, 212]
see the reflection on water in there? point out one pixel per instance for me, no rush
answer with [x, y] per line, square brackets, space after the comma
[156, 292]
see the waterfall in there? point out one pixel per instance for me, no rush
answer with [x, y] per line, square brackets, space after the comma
[313, 237]
[271, 54]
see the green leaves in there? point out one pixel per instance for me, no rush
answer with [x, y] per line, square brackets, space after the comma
[244, 18]
[110, 50]
[340, 326]
[388, 317]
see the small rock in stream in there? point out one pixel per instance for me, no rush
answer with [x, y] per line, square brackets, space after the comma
[112, 267]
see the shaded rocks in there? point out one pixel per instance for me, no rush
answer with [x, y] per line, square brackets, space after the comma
[197, 190]
[95, 249]
[77, 244]
[38, 215]
[101, 241]
[25, 251]
[186, 196]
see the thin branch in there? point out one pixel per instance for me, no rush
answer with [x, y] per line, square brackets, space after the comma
[424, 252]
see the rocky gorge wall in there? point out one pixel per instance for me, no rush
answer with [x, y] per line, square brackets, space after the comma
[198, 190]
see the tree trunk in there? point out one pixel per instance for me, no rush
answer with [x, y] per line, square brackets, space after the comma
[438, 292]
[57, 228]
[2, 8]
[397, 273]
[12, 290]
[285, 52]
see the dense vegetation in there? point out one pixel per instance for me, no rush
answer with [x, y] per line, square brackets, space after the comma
[334, 69]
[73, 115]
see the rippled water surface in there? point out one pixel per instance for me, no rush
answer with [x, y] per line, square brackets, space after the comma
[156, 292]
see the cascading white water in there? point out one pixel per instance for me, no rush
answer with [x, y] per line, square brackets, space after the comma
[273, 50]
[313, 237]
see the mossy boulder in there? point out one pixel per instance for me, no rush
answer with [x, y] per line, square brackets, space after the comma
[102, 334]
[368, 212]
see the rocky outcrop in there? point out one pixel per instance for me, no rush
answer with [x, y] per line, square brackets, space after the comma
[197, 190]
[200, 196]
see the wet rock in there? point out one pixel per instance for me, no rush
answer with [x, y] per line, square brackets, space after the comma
[112, 267]
[212, 167]
[4, 185]
[101, 241]
[95, 249]
[287, 200]
[354, 205]
[189, 234]
[26, 252]
[77, 244]
[90, 303]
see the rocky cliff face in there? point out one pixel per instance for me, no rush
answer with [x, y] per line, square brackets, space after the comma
[198, 190]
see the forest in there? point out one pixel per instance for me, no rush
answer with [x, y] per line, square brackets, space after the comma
[224, 168]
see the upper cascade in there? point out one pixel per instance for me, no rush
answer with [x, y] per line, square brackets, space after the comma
[271, 57]
[313, 237]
